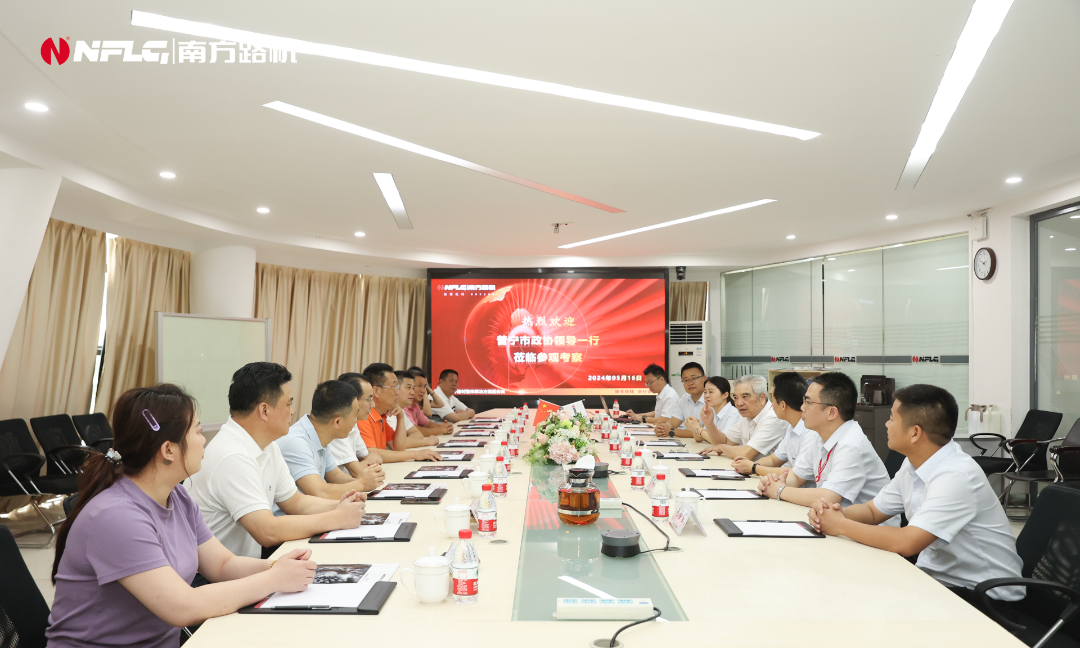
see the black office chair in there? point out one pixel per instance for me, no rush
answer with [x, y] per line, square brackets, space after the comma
[893, 461]
[1049, 545]
[20, 464]
[1065, 464]
[61, 442]
[70, 502]
[24, 614]
[1027, 450]
[94, 430]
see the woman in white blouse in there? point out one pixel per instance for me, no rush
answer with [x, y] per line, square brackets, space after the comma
[718, 413]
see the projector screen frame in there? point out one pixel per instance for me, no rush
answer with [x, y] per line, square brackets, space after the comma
[504, 400]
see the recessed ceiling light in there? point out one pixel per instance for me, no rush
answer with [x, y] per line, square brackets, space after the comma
[1070, 249]
[167, 174]
[36, 107]
[426, 152]
[359, 234]
[1051, 236]
[831, 259]
[263, 210]
[790, 236]
[851, 270]
[166, 23]
[393, 199]
[1077, 216]
[982, 26]
[891, 217]
[726, 210]
[1013, 180]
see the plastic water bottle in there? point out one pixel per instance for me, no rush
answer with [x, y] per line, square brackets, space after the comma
[660, 497]
[637, 472]
[504, 452]
[512, 444]
[498, 479]
[605, 429]
[615, 440]
[626, 451]
[615, 409]
[465, 570]
[486, 515]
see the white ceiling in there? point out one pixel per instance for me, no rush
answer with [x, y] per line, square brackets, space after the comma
[862, 74]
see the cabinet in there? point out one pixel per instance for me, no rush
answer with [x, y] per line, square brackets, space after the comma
[872, 418]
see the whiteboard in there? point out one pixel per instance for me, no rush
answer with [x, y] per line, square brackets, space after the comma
[202, 353]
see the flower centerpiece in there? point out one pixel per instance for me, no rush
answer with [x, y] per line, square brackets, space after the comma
[560, 441]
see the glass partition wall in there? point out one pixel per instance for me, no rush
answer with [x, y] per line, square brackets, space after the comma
[899, 311]
[1055, 326]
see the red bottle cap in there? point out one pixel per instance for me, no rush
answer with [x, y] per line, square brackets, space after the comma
[661, 476]
[486, 487]
[499, 458]
[465, 534]
[637, 453]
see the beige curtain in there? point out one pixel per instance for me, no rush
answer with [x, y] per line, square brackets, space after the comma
[49, 366]
[143, 279]
[687, 301]
[326, 323]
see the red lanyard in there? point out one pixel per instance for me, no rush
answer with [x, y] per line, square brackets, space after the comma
[821, 466]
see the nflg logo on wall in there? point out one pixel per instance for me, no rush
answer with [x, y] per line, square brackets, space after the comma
[926, 358]
[59, 49]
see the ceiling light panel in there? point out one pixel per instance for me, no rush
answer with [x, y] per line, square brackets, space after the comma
[726, 210]
[393, 199]
[982, 26]
[375, 136]
[206, 30]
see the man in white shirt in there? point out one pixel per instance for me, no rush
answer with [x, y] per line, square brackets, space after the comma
[789, 388]
[956, 523]
[839, 459]
[758, 432]
[334, 409]
[351, 453]
[666, 396]
[243, 473]
[689, 405]
[452, 410]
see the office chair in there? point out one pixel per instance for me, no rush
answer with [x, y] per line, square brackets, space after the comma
[20, 464]
[1027, 450]
[61, 442]
[24, 614]
[1064, 461]
[94, 430]
[893, 461]
[1048, 546]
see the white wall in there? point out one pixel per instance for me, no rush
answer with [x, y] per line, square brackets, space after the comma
[26, 201]
[223, 281]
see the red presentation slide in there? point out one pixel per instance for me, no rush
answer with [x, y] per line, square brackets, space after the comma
[548, 336]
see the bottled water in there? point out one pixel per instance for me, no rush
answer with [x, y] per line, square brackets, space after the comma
[615, 409]
[486, 515]
[637, 472]
[660, 497]
[626, 451]
[605, 428]
[512, 444]
[465, 570]
[504, 454]
[615, 440]
[498, 480]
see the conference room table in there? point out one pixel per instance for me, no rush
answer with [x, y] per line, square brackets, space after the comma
[717, 590]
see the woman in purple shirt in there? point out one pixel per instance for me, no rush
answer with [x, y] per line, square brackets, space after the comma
[128, 552]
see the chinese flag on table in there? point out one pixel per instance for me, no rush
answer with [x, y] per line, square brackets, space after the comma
[543, 410]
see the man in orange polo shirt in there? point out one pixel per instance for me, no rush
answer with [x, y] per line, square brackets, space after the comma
[389, 443]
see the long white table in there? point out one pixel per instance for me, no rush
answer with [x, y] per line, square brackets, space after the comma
[734, 591]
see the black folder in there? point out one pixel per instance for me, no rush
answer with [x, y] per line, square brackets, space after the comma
[733, 531]
[436, 496]
[658, 453]
[466, 456]
[689, 472]
[417, 474]
[404, 534]
[371, 604]
[474, 443]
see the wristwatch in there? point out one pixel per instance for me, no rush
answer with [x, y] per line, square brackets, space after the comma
[780, 490]
[753, 469]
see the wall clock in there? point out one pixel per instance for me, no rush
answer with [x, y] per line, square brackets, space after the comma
[984, 264]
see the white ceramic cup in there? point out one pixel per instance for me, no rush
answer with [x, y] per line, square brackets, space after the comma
[688, 497]
[431, 579]
[486, 463]
[455, 518]
[474, 483]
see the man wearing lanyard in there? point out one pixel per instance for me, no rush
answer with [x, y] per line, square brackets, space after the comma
[957, 526]
[840, 461]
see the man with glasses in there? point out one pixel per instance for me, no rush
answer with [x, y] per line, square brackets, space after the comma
[390, 443]
[758, 430]
[351, 453]
[839, 459]
[693, 381]
[666, 396]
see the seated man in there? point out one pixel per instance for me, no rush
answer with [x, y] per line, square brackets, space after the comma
[757, 431]
[693, 381]
[416, 413]
[956, 523]
[666, 396]
[452, 410]
[789, 388]
[334, 409]
[390, 443]
[351, 453]
[243, 474]
[430, 400]
[839, 459]
[415, 438]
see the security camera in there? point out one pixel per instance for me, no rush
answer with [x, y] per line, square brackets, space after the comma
[680, 272]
